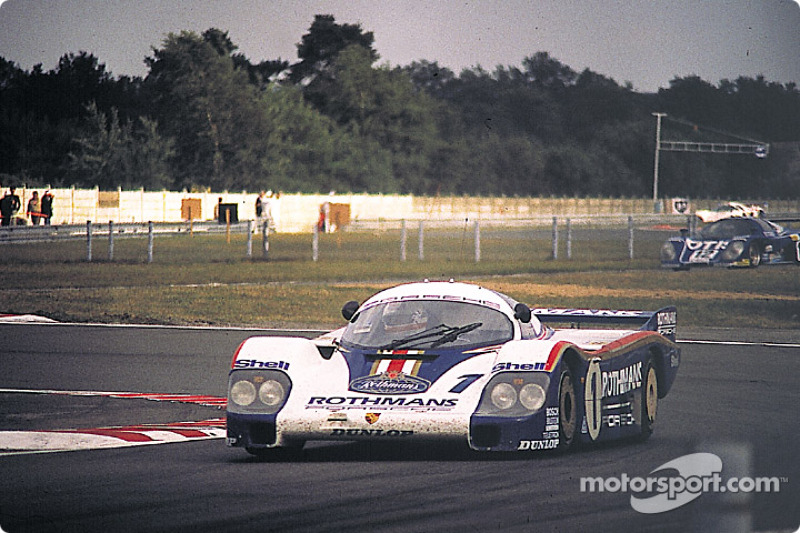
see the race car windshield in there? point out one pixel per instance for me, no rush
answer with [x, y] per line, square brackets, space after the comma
[727, 229]
[427, 324]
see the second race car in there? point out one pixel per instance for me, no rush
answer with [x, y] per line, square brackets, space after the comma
[733, 242]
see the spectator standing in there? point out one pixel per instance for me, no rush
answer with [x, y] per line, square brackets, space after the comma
[218, 210]
[47, 207]
[259, 202]
[9, 206]
[266, 210]
[265, 220]
[34, 211]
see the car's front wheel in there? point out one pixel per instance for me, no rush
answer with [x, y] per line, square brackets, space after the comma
[754, 254]
[283, 453]
[567, 411]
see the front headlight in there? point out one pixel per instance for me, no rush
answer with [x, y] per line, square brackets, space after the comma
[258, 391]
[532, 396]
[514, 394]
[271, 393]
[242, 393]
[504, 396]
[733, 251]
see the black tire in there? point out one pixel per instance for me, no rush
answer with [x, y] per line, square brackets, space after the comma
[568, 409]
[754, 254]
[287, 453]
[648, 400]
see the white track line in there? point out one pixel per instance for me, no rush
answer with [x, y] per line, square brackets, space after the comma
[743, 343]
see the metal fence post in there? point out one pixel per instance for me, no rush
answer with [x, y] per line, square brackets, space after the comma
[265, 240]
[555, 238]
[630, 237]
[110, 240]
[403, 240]
[150, 242]
[569, 239]
[477, 241]
[89, 241]
[315, 244]
[249, 238]
[421, 240]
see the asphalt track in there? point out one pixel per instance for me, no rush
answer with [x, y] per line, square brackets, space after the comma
[736, 401]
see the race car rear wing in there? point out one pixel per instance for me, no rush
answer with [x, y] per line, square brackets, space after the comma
[664, 321]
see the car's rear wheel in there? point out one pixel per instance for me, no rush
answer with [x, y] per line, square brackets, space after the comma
[648, 399]
[567, 411]
[754, 254]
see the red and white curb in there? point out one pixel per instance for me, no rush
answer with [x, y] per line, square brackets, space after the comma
[44, 441]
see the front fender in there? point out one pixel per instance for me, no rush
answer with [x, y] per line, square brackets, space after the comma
[530, 355]
[276, 353]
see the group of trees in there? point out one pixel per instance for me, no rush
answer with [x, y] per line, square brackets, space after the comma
[206, 117]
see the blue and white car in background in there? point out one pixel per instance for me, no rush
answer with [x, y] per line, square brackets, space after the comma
[733, 242]
[457, 362]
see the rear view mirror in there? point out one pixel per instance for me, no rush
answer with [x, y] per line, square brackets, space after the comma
[522, 313]
[349, 310]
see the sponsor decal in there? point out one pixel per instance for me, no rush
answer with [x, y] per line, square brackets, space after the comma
[612, 421]
[550, 444]
[371, 418]
[616, 382]
[667, 321]
[385, 403]
[499, 367]
[371, 433]
[254, 363]
[704, 251]
[386, 384]
[611, 313]
[392, 376]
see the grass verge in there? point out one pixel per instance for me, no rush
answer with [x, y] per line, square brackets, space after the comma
[206, 280]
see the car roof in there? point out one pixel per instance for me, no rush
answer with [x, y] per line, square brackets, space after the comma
[449, 290]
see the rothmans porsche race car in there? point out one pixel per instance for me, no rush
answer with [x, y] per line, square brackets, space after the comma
[733, 242]
[455, 361]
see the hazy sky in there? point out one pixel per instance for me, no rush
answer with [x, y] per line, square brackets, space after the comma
[645, 42]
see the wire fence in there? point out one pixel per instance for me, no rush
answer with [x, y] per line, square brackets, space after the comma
[518, 239]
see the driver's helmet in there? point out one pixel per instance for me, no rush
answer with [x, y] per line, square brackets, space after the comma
[401, 317]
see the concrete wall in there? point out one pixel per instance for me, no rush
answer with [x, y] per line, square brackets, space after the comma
[296, 213]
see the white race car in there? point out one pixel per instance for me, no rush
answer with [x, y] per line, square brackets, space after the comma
[729, 210]
[446, 360]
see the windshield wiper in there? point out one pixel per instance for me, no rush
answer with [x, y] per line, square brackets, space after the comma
[453, 333]
[448, 333]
